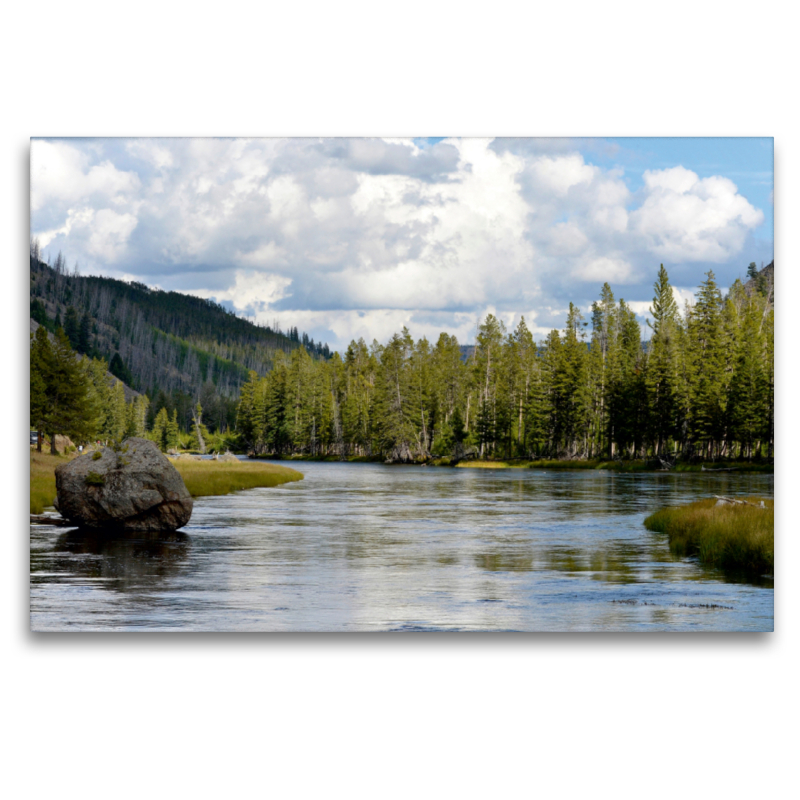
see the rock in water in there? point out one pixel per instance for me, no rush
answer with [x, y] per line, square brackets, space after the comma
[134, 488]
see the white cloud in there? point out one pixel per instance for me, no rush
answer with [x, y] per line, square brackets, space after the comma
[61, 172]
[341, 235]
[605, 269]
[685, 218]
[250, 290]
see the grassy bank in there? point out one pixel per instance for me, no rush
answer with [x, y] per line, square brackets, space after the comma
[205, 478]
[733, 537]
[639, 465]
[202, 478]
[43, 479]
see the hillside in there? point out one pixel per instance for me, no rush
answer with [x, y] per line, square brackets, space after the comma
[156, 340]
[762, 280]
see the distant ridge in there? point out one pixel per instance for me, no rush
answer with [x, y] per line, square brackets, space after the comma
[166, 341]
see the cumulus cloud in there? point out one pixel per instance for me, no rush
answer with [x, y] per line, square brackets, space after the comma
[685, 218]
[358, 237]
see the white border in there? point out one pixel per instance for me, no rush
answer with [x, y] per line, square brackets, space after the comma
[211, 716]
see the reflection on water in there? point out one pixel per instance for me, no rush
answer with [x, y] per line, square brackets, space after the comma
[368, 547]
[122, 561]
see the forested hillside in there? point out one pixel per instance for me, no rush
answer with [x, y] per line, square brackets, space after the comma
[174, 347]
[701, 386]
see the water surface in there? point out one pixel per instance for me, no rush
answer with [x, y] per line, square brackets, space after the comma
[369, 547]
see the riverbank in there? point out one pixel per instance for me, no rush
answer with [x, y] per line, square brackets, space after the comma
[208, 477]
[638, 465]
[733, 537]
[202, 478]
[613, 466]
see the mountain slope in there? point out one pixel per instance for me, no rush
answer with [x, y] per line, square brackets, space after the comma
[167, 341]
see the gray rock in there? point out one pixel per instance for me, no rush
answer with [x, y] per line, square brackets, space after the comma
[133, 489]
[227, 457]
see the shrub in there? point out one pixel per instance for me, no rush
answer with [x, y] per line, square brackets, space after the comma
[95, 479]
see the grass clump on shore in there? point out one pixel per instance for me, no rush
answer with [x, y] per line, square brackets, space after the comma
[483, 464]
[43, 479]
[206, 478]
[732, 537]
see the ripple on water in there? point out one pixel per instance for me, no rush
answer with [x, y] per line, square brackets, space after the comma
[365, 547]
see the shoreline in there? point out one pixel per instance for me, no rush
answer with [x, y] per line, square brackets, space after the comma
[637, 465]
[203, 478]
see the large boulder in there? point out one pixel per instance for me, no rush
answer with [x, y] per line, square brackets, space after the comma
[63, 443]
[134, 488]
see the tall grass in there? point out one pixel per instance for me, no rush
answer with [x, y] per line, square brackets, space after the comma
[205, 478]
[733, 537]
[43, 479]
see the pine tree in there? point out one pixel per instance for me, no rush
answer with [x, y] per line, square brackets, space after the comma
[69, 406]
[707, 385]
[41, 368]
[84, 331]
[72, 327]
[172, 432]
[661, 377]
[158, 432]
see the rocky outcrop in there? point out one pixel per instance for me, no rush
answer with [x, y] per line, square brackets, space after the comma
[63, 443]
[227, 457]
[134, 488]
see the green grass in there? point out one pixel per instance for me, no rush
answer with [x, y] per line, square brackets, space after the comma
[202, 478]
[732, 537]
[43, 479]
[617, 466]
[206, 478]
[484, 464]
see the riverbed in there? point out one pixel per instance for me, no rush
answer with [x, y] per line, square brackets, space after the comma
[371, 547]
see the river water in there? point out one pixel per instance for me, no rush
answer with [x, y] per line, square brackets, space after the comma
[369, 547]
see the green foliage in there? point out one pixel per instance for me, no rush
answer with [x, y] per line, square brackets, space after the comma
[118, 368]
[61, 392]
[95, 479]
[97, 455]
[38, 312]
[703, 386]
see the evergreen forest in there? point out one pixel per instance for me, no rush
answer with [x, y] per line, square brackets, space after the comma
[700, 387]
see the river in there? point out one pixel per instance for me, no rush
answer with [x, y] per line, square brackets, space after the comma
[369, 547]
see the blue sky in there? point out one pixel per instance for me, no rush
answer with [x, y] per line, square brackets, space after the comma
[348, 238]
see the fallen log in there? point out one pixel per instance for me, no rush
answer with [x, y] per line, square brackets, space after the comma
[724, 501]
[44, 519]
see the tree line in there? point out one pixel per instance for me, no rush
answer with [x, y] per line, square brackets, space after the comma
[701, 386]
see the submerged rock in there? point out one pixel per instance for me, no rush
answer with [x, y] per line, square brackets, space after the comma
[134, 488]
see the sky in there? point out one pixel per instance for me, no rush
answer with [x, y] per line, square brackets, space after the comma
[348, 238]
